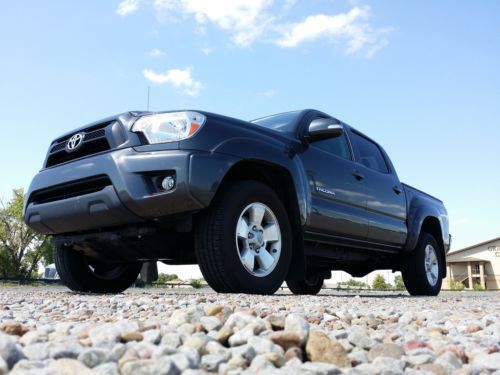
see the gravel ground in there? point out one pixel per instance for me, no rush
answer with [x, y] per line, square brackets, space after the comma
[171, 331]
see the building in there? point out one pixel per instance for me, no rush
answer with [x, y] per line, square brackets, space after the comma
[477, 264]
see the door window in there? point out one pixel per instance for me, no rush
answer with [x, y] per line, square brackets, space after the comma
[337, 146]
[369, 153]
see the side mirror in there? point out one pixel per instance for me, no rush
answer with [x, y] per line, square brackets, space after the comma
[322, 128]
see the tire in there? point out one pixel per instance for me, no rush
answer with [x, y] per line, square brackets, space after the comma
[311, 285]
[81, 273]
[422, 269]
[236, 248]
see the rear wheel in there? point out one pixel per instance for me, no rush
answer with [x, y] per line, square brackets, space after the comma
[243, 242]
[85, 274]
[312, 284]
[422, 269]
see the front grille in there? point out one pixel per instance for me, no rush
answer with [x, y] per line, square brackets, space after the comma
[71, 189]
[94, 141]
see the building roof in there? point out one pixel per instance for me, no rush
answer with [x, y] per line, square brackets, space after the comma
[473, 246]
[468, 259]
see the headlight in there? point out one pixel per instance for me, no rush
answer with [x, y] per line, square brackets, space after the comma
[169, 127]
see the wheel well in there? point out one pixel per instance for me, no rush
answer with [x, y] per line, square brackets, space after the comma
[431, 225]
[281, 182]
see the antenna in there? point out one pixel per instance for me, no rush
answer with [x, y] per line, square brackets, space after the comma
[148, 97]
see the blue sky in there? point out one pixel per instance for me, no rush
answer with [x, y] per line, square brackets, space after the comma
[421, 77]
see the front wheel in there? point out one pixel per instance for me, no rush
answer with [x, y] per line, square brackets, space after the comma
[243, 242]
[311, 285]
[85, 274]
[422, 269]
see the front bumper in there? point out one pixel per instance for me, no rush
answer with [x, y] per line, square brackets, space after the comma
[132, 196]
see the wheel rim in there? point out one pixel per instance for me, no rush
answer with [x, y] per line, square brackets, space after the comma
[431, 265]
[258, 239]
[104, 271]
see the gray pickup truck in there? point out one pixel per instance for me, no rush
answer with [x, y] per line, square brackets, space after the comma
[289, 197]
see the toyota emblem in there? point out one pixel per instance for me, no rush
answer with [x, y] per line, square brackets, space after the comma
[74, 142]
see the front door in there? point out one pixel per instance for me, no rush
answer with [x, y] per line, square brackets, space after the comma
[338, 197]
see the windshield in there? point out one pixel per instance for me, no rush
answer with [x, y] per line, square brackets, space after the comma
[282, 122]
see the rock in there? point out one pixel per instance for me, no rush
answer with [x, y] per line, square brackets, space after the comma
[247, 352]
[489, 362]
[152, 335]
[105, 335]
[285, 339]
[129, 356]
[178, 318]
[449, 362]
[71, 350]
[385, 350]
[37, 352]
[235, 363]
[294, 352]
[432, 368]
[263, 346]
[296, 324]
[171, 339]
[318, 368]
[358, 357]
[277, 322]
[10, 351]
[4, 369]
[196, 342]
[108, 368]
[473, 328]
[69, 366]
[188, 358]
[27, 367]
[419, 359]
[260, 364]
[161, 366]
[414, 344]
[242, 336]
[210, 323]
[388, 365]
[11, 327]
[214, 347]
[361, 341]
[406, 318]
[117, 352]
[33, 337]
[224, 334]
[131, 336]
[213, 309]
[320, 348]
[92, 357]
[276, 359]
[211, 362]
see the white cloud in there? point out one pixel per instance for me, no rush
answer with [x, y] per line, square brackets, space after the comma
[155, 52]
[127, 7]
[250, 20]
[352, 28]
[206, 50]
[270, 93]
[178, 78]
[246, 19]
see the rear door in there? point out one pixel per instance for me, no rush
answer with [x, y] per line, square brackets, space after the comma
[338, 198]
[386, 201]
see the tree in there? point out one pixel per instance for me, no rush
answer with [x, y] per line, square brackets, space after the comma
[21, 248]
[379, 282]
[399, 283]
[165, 277]
[354, 283]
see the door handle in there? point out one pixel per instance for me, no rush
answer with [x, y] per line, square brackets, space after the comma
[397, 190]
[357, 174]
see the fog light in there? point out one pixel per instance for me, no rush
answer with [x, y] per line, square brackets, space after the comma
[168, 183]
